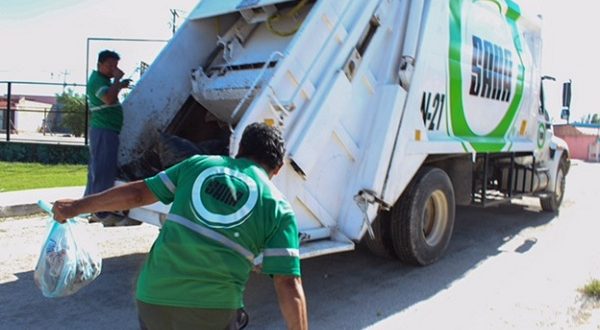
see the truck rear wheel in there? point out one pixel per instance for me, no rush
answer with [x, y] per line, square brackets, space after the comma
[551, 203]
[423, 218]
[381, 245]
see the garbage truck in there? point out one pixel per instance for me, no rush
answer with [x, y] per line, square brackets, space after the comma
[394, 112]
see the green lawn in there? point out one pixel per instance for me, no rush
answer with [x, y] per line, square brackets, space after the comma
[21, 176]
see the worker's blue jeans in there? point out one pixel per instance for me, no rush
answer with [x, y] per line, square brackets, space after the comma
[102, 167]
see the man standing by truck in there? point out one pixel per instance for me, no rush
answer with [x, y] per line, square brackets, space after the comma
[105, 126]
[225, 212]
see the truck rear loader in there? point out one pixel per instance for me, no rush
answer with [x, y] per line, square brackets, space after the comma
[393, 111]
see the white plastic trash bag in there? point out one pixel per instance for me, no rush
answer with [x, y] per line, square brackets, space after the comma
[68, 259]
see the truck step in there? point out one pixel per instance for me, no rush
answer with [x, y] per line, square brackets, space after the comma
[322, 247]
[154, 214]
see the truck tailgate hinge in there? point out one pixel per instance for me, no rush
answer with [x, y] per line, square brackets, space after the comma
[363, 199]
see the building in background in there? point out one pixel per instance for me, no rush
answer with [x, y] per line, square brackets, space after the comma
[29, 113]
[583, 140]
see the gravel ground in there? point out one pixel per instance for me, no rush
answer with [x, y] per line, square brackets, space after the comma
[106, 303]
[22, 239]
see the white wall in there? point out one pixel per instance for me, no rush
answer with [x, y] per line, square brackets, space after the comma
[29, 115]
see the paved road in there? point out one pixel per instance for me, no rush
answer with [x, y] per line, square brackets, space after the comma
[511, 267]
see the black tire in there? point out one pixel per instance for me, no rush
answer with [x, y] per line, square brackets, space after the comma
[381, 245]
[552, 202]
[422, 220]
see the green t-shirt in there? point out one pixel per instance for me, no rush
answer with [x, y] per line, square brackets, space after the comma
[239, 213]
[108, 116]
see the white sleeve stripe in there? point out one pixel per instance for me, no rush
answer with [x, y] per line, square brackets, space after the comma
[166, 181]
[282, 253]
[100, 107]
[206, 232]
[101, 91]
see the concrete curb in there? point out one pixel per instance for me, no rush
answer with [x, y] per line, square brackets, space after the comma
[19, 210]
[24, 202]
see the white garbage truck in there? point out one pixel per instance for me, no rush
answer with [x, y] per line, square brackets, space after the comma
[393, 111]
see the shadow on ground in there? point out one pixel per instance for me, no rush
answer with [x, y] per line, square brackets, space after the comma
[106, 303]
[355, 289]
[346, 291]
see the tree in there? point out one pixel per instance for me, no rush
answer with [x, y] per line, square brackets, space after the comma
[591, 118]
[73, 108]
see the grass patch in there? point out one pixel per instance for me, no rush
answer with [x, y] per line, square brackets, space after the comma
[592, 289]
[22, 176]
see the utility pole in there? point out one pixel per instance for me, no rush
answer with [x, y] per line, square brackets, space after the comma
[65, 74]
[174, 21]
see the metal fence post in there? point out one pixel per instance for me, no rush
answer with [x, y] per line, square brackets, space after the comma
[87, 106]
[7, 119]
[87, 114]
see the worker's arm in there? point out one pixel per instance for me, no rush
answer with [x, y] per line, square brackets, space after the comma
[124, 197]
[112, 94]
[291, 301]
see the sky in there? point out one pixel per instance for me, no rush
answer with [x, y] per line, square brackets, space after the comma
[42, 39]
[569, 52]
[45, 38]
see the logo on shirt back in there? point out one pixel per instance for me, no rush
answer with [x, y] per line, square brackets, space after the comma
[223, 198]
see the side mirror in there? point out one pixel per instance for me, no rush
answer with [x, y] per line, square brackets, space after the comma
[566, 101]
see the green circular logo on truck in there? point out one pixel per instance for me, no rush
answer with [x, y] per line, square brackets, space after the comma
[541, 135]
[486, 71]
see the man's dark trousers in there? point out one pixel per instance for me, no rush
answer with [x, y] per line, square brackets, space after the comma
[102, 167]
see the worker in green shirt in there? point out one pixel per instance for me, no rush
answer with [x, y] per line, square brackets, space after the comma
[225, 212]
[105, 126]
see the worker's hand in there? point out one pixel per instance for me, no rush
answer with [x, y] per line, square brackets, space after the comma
[117, 74]
[64, 209]
[125, 83]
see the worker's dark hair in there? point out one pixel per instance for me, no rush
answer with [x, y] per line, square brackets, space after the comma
[263, 144]
[106, 54]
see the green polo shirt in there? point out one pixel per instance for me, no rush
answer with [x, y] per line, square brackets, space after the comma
[239, 214]
[108, 116]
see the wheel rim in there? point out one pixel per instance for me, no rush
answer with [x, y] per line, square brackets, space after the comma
[435, 218]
